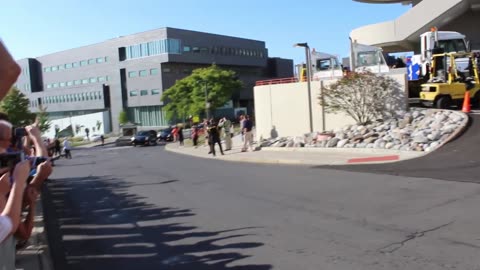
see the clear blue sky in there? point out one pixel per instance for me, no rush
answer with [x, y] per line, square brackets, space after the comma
[32, 28]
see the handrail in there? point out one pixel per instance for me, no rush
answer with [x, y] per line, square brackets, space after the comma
[277, 81]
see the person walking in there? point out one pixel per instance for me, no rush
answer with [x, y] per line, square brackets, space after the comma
[228, 132]
[242, 120]
[175, 133]
[247, 134]
[67, 148]
[194, 135]
[58, 148]
[214, 137]
[102, 138]
[180, 135]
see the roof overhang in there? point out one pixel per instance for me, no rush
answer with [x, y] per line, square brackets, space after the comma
[385, 1]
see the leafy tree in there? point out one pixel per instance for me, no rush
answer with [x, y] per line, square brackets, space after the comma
[15, 105]
[363, 96]
[99, 125]
[44, 121]
[123, 117]
[188, 97]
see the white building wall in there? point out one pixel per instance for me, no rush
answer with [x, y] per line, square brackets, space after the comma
[285, 108]
[84, 121]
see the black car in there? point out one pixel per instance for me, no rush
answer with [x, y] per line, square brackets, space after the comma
[165, 135]
[145, 138]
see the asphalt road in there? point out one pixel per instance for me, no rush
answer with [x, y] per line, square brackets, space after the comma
[144, 208]
[458, 160]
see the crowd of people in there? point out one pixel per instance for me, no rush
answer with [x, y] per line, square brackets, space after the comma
[24, 166]
[216, 131]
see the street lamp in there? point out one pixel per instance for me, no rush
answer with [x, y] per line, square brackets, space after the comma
[207, 103]
[309, 77]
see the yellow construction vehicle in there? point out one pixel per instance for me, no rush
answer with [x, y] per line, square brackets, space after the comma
[451, 75]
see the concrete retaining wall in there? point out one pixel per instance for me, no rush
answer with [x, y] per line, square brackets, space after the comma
[282, 109]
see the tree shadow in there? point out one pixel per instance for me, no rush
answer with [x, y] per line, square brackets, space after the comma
[96, 224]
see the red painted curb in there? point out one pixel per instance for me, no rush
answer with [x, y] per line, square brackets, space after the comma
[373, 159]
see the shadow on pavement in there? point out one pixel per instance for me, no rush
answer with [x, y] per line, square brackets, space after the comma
[94, 223]
[459, 160]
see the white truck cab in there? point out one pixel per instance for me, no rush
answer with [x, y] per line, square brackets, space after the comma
[325, 66]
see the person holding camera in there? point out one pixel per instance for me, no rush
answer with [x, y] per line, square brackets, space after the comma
[10, 217]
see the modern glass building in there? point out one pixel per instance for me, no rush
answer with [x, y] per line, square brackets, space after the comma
[131, 72]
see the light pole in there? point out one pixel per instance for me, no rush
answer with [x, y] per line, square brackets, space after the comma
[309, 77]
[207, 104]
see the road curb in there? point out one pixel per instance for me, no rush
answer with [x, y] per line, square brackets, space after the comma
[274, 161]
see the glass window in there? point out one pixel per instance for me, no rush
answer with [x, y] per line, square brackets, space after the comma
[186, 48]
[155, 91]
[106, 58]
[93, 79]
[84, 81]
[49, 85]
[61, 67]
[77, 82]
[108, 78]
[94, 95]
[83, 63]
[69, 83]
[132, 74]
[166, 70]
[55, 85]
[83, 96]
[91, 61]
[101, 79]
[133, 93]
[143, 92]
[100, 60]
[143, 73]
[75, 64]
[69, 65]
[196, 49]
[204, 50]
[154, 71]
[48, 69]
[62, 84]
[54, 68]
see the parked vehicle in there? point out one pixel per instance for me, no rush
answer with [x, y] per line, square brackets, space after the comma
[145, 138]
[165, 135]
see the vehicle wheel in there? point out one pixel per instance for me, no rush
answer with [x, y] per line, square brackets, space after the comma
[134, 144]
[443, 102]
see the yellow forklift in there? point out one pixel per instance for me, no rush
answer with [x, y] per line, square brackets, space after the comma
[451, 75]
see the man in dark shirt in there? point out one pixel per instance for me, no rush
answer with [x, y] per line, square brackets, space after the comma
[214, 137]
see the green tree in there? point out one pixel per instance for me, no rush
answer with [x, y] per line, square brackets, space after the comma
[188, 95]
[15, 105]
[44, 121]
[99, 125]
[123, 117]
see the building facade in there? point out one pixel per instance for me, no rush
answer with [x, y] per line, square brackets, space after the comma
[131, 72]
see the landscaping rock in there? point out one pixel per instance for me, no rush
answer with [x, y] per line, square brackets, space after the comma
[333, 142]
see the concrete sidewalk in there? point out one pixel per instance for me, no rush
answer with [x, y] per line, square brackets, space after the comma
[299, 156]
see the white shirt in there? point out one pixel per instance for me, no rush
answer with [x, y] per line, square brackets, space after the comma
[5, 227]
[66, 145]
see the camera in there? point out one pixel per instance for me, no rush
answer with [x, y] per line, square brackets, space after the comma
[9, 160]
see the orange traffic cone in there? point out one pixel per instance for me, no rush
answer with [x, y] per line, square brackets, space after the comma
[466, 102]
